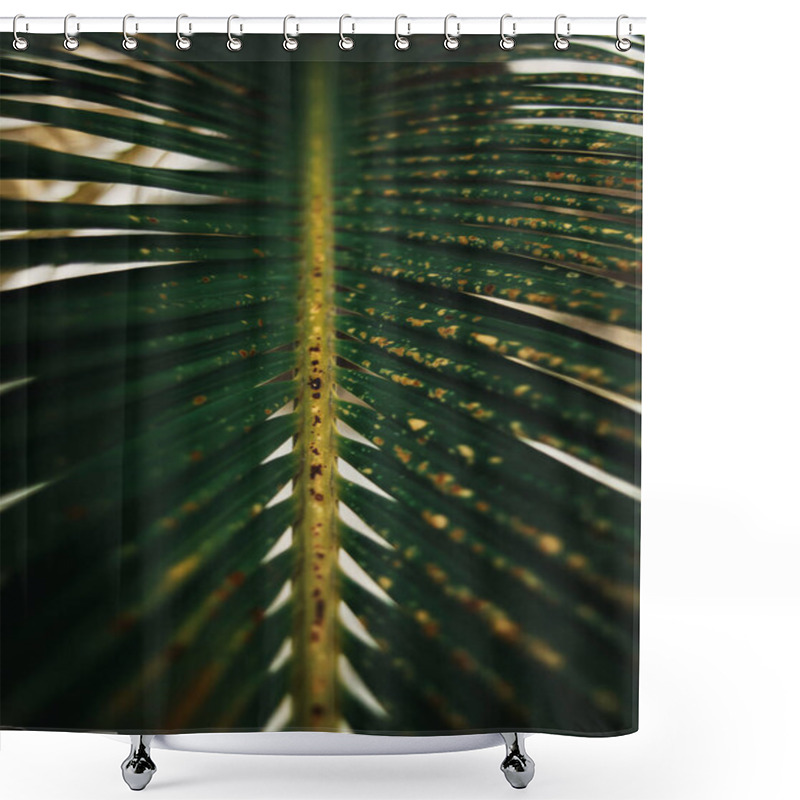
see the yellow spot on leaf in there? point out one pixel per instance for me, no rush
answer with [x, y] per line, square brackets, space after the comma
[467, 452]
[505, 628]
[403, 455]
[181, 570]
[542, 651]
[576, 561]
[438, 521]
[550, 544]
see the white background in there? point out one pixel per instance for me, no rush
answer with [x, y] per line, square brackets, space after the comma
[720, 696]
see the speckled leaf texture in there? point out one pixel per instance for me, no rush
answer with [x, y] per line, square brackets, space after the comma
[320, 386]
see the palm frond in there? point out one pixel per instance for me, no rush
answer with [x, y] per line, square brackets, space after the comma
[320, 387]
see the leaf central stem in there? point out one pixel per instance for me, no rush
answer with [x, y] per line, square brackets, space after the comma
[315, 645]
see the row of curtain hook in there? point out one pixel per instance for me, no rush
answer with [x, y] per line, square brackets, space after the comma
[401, 42]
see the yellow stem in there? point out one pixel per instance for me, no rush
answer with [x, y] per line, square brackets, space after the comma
[315, 588]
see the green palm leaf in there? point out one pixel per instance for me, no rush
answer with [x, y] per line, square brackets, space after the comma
[320, 387]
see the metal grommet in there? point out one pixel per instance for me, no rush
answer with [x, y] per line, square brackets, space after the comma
[346, 42]
[623, 44]
[182, 42]
[233, 44]
[451, 42]
[401, 42]
[507, 42]
[560, 42]
[128, 42]
[70, 42]
[289, 43]
[20, 42]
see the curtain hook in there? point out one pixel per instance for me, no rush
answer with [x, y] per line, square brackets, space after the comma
[401, 42]
[346, 42]
[289, 43]
[70, 42]
[561, 43]
[451, 42]
[128, 42]
[182, 42]
[20, 42]
[234, 44]
[507, 42]
[623, 44]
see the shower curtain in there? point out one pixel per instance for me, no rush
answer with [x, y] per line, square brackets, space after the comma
[320, 385]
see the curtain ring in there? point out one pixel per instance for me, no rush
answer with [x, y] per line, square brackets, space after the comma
[289, 43]
[234, 44]
[451, 42]
[128, 42]
[623, 44]
[507, 42]
[346, 42]
[70, 42]
[561, 43]
[401, 42]
[20, 42]
[182, 42]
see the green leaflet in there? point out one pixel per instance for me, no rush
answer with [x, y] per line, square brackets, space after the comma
[319, 387]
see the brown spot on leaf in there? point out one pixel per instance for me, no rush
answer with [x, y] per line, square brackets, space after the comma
[237, 578]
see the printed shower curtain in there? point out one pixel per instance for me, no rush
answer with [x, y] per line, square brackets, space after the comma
[320, 386]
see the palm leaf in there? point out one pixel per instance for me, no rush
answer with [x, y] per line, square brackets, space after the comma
[320, 387]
